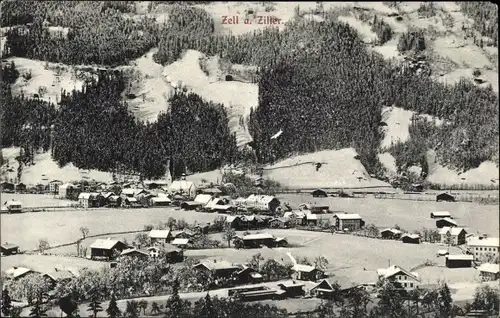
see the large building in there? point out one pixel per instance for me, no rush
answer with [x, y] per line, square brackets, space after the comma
[483, 248]
[347, 221]
[262, 203]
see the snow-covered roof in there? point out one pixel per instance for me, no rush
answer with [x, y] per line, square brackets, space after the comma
[134, 250]
[311, 216]
[15, 272]
[161, 234]
[215, 265]
[348, 216]
[303, 268]
[490, 241]
[203, 198]
[393, 270]
[105, 244]
[460, 257]
[258, 236]
[181, 185]
[489, 268]
[180, 241]
[160, 199]
[84, 196]
[453, 230]
[412, 236]
[441, 214]
[394, 231]
[451, 221]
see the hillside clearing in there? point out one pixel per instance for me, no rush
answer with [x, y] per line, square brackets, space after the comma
[398, 121]
[149, 87]
[339, 169]
[486, 174]
[47, 83]
[364, 30]
[237, 97]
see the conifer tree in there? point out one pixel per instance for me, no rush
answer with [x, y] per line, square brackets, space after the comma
[113, 310]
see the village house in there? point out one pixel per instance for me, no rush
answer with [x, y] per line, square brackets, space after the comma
[452, 235]
[254, 221]
[459, 260]
[258, 240]
[134, 252]
[440, 215]
[106, 248]
[185, 233]
[160, 201]
[319, 193]
[14, 206]
[323, 290]
[314, 208]
[54, 186]
[20, 187]
[160, 236]
[171, 253]
[129, 202]
[347, 221]
[235, 222]
[410, 238]
[220, 269]
[311, 219]
[202, 228]
[16, 272]
[114, 201]
[132, 192]
[9, 249]
[445, 222]
[253, 293]
[391, 234]
[87, 200]
[183, 187]
[489, 272]
[484, 248]
[181, 242]
[248, 275]
[401, 278]
[306, 272]
[191, 205]
[280, 223]
[58, 277]
[262, 203]
[291, 289]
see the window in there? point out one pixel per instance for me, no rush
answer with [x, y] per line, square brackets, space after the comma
[411, 285]
[405, 285]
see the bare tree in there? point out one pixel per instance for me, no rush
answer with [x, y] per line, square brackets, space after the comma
[85, 231]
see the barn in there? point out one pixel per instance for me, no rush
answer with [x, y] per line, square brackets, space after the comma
[105, 248]
[459, 261]
[257, 240]
[391, 234]
[440, 214]
[445, 197]
[319, 193]
[411, 238]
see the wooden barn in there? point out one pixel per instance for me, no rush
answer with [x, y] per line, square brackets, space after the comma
[319, 193]
[440, 215]
[258, 240]
[106, 248]
[391, 234]
[411, 238]
[459, 261]
[9, 249]
[445, 197]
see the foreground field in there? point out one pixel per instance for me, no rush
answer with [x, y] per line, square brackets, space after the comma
[48, 263]
[63, 227]
[410, 215]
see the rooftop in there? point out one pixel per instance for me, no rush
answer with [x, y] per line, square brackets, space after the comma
[162, 234]
[461, 257]
[105, 244]
[489, 268]
[216, 265]
[259, 236]
[489, 241]
[453, 230]
[348, 216]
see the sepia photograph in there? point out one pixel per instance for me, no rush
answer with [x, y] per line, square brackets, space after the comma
[217, 159]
